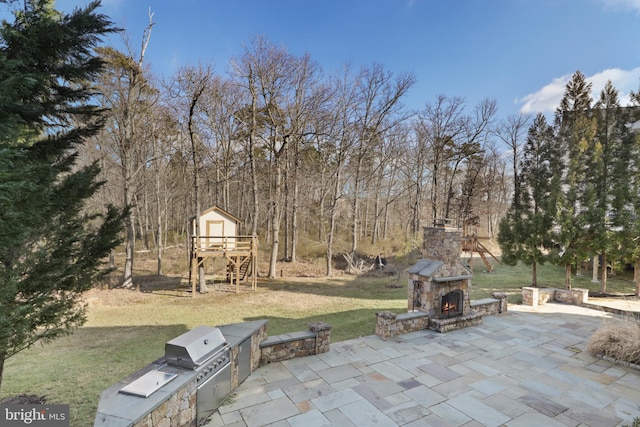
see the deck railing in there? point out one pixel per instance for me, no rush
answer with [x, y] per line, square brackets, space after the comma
[223, 243]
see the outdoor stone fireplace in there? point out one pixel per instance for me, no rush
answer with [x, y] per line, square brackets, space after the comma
[438, 296]
[439, 284]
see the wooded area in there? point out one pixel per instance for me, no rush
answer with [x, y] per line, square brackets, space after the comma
[293, 152]
[336, 159]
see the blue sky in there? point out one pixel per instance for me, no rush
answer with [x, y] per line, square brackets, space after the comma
[519, 52]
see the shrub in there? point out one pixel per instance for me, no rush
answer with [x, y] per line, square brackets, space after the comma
[619, 339]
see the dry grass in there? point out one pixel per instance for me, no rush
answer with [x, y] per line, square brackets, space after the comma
[617, 339]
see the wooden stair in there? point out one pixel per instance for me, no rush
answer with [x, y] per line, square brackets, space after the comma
[245, 263]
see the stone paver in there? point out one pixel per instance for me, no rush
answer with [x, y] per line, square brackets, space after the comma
[524, 368]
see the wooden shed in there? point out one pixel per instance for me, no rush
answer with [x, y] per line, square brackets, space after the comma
[220, 237]
[216, 226]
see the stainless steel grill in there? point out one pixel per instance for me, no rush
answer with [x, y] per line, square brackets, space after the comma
[205, 350]
[194, 348]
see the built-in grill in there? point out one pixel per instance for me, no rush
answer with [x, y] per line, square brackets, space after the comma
[205, 350]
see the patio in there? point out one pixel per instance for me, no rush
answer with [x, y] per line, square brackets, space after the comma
[523, 368]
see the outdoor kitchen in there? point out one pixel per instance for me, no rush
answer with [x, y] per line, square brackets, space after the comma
[200, 369]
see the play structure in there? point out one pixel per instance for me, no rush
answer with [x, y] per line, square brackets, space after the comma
[471, 242]
[220, 238]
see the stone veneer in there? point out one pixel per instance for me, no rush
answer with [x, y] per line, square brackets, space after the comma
[389, 324]
[259, 335]
[533, 296]
[442, 244]
[178, 411]
[316, 340]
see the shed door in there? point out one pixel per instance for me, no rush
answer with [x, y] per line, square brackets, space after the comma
[215, 228]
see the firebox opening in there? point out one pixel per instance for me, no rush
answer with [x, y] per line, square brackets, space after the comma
[452, 303]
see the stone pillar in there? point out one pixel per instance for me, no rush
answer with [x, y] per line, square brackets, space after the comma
[530, 296]
[579, 296]
[323, 336]
[385, 324]
[502, 297]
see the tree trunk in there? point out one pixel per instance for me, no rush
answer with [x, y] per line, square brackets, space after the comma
[275, 222]
[2, 359]
[159, 243]
[376, 216]
[356, 204]
[294, 211]
[603, 273]
[636, 275]
[534, 274]
[567, 276]
[332, 223]
[202, 285]
[285, 213]
[130, 243]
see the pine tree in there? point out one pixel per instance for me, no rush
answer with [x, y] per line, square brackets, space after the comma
[524, 233]
[575, 129]
[51, 249]
[629, 213]
[607, 180]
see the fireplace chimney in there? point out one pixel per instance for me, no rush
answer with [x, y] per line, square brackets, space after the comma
[442, 244]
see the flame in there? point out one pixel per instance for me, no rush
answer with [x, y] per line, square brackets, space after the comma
[448, 307]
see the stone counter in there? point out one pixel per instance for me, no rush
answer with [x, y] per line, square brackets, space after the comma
[174, 404]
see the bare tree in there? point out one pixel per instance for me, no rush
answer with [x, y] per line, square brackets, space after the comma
[337, 147]
[513, 132]
[378, 94]
[127, 93]
[190, 86]
[452, 138]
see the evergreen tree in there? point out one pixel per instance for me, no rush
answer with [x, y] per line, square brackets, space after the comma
[607, 181]
[50, 248]
[524, 233]
[629, 213]
[575, 129]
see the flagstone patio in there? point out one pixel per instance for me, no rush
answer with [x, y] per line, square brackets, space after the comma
[524, 368]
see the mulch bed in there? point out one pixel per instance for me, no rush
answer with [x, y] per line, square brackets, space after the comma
[24, 399]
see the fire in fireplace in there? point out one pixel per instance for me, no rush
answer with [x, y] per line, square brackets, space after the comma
[451, 304]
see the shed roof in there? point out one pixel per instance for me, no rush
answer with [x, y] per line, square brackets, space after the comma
[222, 212]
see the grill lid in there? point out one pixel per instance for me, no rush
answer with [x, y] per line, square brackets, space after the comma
[194, 347]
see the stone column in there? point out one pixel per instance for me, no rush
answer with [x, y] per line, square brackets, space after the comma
[503, 301]
[530, 296]
[323, 336]
[385, 324]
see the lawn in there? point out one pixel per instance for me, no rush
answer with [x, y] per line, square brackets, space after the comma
[126, 330]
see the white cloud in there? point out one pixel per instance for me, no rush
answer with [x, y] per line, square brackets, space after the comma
[547, 98]
[621, 4]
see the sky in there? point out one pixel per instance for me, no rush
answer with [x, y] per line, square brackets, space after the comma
[519, 52]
